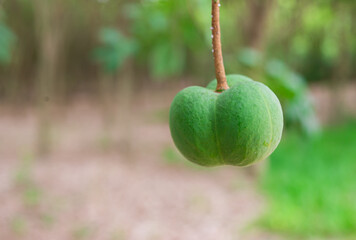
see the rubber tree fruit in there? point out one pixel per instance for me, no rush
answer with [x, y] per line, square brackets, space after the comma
[238, 127]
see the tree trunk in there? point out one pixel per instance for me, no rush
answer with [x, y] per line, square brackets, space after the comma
[108, 106]
[343, 66]
[49, 33]
[257, 24]
[125, 93]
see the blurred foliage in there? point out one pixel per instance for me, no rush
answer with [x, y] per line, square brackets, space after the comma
[165, 31]
[249, 57]
[19, 225]
[32, 196]
[310, 184]
[7, 41]
[114, 50]
[292, 90]
[316, 37]
[172, 39]
[290, 87]
[171, 156]
[82, 232]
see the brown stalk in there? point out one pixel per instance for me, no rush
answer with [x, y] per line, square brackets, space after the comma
[218, 57]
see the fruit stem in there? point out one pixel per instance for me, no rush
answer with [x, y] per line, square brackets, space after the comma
[217, 52]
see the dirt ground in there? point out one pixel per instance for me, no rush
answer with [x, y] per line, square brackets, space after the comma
[126, 188]
[132, 187]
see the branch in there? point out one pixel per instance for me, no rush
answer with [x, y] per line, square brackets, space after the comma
[218, 58]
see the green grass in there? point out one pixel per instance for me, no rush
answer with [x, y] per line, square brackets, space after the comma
[19, 225]
[171, 156]
[311, 185]
[82, 232]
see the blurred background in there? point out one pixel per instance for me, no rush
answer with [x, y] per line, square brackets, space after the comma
[85, 147]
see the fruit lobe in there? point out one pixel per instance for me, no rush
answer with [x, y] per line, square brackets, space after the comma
[239, 126]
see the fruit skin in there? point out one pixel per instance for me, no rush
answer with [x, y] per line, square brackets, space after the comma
[238, 127]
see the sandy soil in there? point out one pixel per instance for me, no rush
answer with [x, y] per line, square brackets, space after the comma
[127, 188]
[130, 184]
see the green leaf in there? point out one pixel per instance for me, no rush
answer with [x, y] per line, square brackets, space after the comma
[249, 57]
[7, 42]
[166, 60]
[114, 49]
[286, 83]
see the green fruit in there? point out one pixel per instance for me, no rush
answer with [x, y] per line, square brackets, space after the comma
[237, 127]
